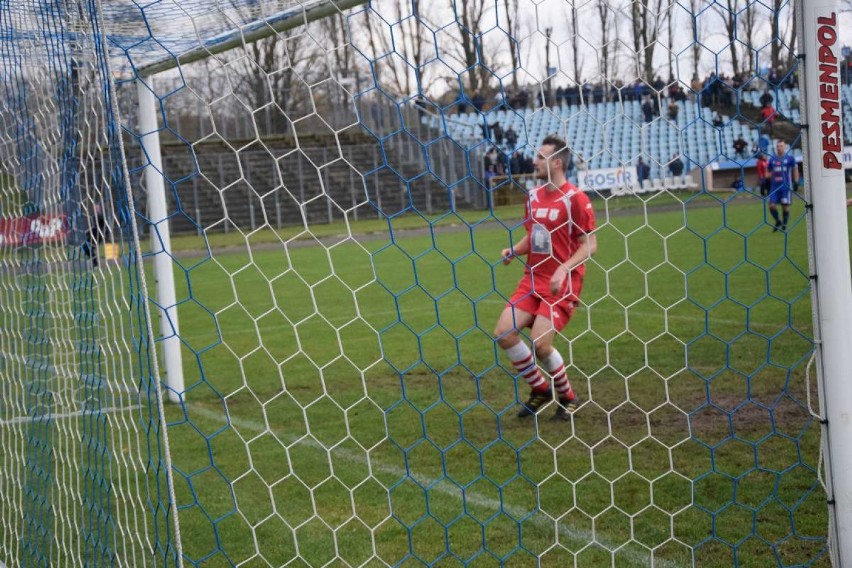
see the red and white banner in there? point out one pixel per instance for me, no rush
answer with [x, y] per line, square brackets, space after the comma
[44, 229]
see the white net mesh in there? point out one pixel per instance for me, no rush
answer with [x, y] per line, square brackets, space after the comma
[338, 195]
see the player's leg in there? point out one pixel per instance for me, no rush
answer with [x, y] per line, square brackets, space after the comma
[785, 212]
[773, 210]
[508, 337]
[543, 331]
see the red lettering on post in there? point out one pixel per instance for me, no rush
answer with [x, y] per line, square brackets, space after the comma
[828, 91]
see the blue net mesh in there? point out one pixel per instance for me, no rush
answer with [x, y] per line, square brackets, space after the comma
[339, 194]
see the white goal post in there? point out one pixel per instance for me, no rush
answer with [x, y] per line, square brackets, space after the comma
[831, 291]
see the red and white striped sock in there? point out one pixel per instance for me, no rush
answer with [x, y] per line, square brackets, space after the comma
[524, 362]
[554, 365]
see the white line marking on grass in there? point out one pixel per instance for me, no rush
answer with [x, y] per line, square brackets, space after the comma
[377, 465]
[63, 415]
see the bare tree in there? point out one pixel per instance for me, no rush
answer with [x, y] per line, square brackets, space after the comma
[409, 39]
[694, 6]
[606, 54]
[791, 55]
[575, 42]
[728, 14]
[341, 54]
[646, 21]
[469, 15]
[776, 33]
[513, 29]
[414, 45]
[668, 21]
[548, 33]
[747, 23]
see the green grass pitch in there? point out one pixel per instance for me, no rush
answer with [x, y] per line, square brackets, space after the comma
[346, 405]
[690, 352]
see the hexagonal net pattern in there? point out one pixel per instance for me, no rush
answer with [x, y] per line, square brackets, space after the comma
[364, 216]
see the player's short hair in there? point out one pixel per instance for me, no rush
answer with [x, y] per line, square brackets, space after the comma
[561, 148]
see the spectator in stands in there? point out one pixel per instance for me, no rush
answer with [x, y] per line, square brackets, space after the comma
[697, 85]
[762, 177]
[461, 104]
[766, 99]
[490, 159]
[478, 101]
[490, 174]
[740, 146]
[773, 77]
[502, 163]
[572, 95]
[638, 90]
[718, 122]
[761, 145]
[523, 98]
[516, 163]
[673, 110]
[794, 102]
[497, 133]
[560, 96]
[511, 137]
[768, 115]
[738, 184]
[588, 95]
[647, 109]
[676, 167]
[643, 172]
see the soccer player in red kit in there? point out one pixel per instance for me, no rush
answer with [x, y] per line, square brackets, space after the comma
[560, 222]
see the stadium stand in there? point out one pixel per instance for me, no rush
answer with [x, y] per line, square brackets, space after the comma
[605, 133]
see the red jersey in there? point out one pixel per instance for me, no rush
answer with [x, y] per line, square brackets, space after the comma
[555, 222]
[761, 168]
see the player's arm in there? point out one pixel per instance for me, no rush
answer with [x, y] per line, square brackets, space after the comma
[588, 246]
[522, 248]
[795, 175]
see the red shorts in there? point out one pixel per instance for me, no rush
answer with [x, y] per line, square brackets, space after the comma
[541, 302]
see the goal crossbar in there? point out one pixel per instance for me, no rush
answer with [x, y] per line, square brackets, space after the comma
[253, 31]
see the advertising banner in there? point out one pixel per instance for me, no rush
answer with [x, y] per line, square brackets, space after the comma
[44, 229]
[607, 178]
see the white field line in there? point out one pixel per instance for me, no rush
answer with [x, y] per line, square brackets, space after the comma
[376, 465]
[64, 415]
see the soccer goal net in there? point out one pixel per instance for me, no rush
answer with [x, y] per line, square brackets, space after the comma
[402, 283]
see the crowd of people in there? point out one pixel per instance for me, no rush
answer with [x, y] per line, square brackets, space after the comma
[714, 89]
[498, 162]
[505, 158]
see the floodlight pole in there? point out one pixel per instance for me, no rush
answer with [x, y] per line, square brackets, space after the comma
[831, 292]
[161, 240]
